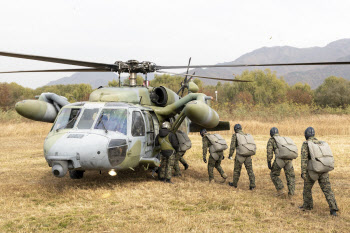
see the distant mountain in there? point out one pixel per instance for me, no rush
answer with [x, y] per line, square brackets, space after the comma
[313, 75]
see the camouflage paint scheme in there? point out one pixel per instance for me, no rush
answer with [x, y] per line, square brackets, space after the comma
[88, 149]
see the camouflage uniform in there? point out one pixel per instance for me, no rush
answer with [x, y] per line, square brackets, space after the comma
[178, 158]
[238, 165]
[276, 169]
[212, 162]
[323, 181]
[165, 166]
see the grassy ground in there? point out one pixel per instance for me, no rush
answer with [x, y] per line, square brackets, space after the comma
[32, 200]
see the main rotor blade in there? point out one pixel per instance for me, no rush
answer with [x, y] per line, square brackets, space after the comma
[59, 60]
[58, 70]
[247, 65]
[198, 76]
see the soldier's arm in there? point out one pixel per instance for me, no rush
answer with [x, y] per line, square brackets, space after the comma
[233, 145]
[269, 150]
[304, 158]
[205, 146]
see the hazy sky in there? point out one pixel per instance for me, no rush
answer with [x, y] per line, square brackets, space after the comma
[165, 32]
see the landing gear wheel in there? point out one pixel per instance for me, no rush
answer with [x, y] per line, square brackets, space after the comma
[75, 174]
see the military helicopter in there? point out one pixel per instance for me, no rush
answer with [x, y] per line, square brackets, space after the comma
[116, 129]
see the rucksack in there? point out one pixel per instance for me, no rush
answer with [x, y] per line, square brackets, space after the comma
[286, 148]
[184, 141]
[322, 159]
[218, 143]
[246, 145]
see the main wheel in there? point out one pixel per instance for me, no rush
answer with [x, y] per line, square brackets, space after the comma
[75, 174]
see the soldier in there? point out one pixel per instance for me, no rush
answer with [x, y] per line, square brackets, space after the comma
[169, 145]
[184, 145]
[214, 158]
[283, 159]
[242, 157]
[310, 176]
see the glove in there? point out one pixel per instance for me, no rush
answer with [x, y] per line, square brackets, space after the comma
[230, 157]
[269, 165]
[205, 160]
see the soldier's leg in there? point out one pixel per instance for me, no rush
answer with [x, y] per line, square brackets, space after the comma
[176, 165]
[327, 190]
[211, 165]
[182, 160]
[236, 172]
[170, 161]
[219, 168]
[249, 167]
[161, 173]
[307, 192]
[274, 174]
[290, 177]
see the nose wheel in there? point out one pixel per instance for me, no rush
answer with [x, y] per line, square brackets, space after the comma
[75, 174]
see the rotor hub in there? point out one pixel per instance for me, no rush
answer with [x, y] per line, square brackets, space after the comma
[134, 66]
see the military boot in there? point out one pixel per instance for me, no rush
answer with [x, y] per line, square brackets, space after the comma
[168, 181]
[186, 166]
[334, 213]
[280, 193]
[231, 184]
[224, 177]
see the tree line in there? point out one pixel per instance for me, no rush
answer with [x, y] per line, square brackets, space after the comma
[266, 89]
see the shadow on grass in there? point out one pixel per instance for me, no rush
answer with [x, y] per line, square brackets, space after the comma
[93, 180]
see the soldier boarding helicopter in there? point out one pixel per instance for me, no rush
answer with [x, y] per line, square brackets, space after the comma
[115, 130]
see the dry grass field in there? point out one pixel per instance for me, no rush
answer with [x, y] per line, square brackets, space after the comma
[32, 200]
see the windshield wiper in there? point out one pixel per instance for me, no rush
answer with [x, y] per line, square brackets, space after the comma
[74, 118]
[103, 124]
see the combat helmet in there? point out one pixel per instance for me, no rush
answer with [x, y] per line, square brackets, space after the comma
[202, 132]
[309, 132]
[166, 125]
[273, 131]
[237, 127]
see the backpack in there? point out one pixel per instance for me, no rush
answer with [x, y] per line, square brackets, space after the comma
[218, 143]
[322, 159]
[286, 148]
[184, 141]
[246, 145]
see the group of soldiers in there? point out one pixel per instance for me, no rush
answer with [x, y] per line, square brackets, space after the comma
[316, 160]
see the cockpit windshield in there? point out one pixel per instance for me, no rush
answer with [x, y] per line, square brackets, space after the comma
[67, 118]
[113, 120]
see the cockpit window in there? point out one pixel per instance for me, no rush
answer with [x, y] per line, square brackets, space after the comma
[67, 118]
[113, 120]
[88, 118]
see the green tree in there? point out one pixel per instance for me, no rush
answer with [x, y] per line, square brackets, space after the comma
[113, 83]
[334, 92]
[300, 94]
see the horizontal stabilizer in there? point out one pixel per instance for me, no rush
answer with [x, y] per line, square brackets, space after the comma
[223, 125]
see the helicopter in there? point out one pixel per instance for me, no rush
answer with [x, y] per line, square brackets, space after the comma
[116, 128]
